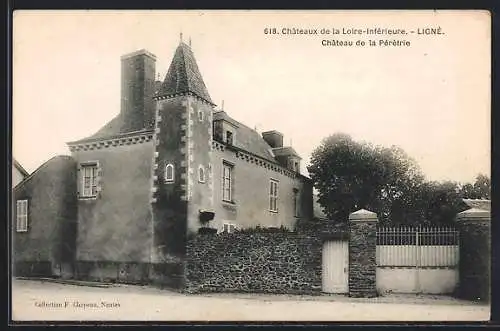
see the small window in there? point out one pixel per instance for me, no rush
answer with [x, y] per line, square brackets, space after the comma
[229, 137]
[201, 174]
[169, 173]
[228, 228]
[296, 166]
[22, 215]
[273, 195]
[200, 115]
[89, 180]
[227, 182]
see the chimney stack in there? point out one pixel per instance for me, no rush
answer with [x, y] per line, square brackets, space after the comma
[273, 138]
[137, 90]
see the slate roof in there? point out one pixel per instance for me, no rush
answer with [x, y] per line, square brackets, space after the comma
[183, 75]
[478, 203]
[285, 151]
[246, 138]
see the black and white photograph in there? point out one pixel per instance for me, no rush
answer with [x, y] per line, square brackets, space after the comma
[251, 165]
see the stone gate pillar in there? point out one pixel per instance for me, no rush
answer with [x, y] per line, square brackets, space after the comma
[475, 254]
[362, 253]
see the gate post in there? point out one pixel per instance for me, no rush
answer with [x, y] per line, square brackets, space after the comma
[362, 254]
[475, 254]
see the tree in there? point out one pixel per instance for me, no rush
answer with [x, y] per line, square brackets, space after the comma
[442, 203]
[350, 175]
[481, 189]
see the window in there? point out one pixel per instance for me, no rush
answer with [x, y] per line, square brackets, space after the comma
[22, 215]
[201, 174]
[273, 195]
[89, 180]
[227, 182]
[169, 173]
[296, 205]
[200, 115]
[229, 137]
[296, 166]
[228, 228]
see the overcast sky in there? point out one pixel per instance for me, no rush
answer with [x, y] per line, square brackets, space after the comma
[432, 98]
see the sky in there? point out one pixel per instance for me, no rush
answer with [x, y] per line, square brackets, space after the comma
[431, 98]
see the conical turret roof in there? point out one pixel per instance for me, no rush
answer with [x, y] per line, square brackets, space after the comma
[184, 76]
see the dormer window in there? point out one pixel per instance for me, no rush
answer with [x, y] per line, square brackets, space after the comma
[169, 173]
[229, 137]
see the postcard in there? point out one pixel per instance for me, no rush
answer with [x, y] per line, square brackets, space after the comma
[251, 165]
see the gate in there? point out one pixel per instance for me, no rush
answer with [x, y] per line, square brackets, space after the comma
[335, 263]
[417, 260]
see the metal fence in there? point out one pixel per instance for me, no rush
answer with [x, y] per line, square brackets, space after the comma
[419, 247]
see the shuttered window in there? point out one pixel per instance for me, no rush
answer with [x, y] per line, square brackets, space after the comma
[227, 182]
[22, 215]
[273, 195]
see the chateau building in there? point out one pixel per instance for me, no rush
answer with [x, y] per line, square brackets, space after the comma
[125, 201]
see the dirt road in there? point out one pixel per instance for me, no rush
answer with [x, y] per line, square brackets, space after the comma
[35, 300]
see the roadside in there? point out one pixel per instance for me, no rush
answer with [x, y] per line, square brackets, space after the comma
[393, 298]
[46, 300]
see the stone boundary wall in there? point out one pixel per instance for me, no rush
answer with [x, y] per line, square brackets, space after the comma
[265, 262]
[475, 255]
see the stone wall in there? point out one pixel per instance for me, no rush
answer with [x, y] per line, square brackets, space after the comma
[475, 255]
[362, 254]
[254, 261]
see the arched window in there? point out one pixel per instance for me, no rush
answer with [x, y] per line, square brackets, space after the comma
[201, 174]
[169, 173]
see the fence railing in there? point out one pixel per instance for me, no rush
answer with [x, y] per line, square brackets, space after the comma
[419, 247]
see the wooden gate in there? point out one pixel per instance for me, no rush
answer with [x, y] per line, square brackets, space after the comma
[417, 260]
[335, 263]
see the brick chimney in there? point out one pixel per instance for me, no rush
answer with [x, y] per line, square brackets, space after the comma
[137, 90]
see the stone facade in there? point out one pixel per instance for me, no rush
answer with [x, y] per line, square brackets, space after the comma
[362, 254]
[475, 254]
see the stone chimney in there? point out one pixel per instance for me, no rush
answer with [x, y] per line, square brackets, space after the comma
[273, 138]
[137, 90]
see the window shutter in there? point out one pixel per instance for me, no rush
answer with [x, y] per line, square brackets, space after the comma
[26, 217]
[18, 213]
[232, 179]
[79, 179]
[99, 179]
